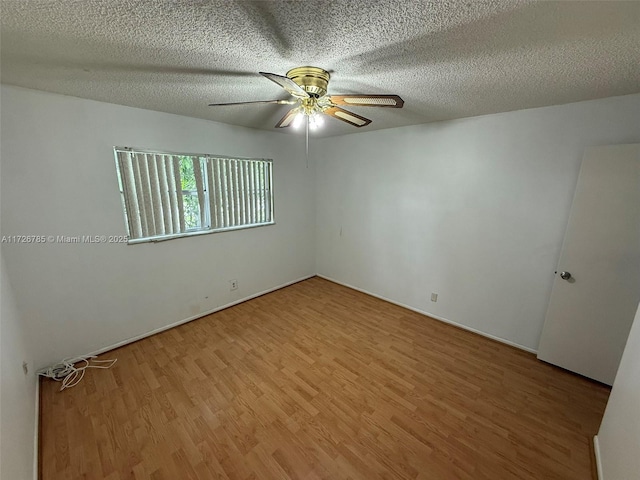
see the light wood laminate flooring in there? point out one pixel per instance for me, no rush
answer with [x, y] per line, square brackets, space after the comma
[318, 381]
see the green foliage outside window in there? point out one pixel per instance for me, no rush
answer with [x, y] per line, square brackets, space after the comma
[189, 194]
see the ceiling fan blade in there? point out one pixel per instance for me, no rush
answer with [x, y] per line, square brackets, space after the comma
[277, 102]
[288, 118]
[289, 85]
[393, 101]
[347, 116]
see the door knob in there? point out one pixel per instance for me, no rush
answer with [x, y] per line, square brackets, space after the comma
[565, 275]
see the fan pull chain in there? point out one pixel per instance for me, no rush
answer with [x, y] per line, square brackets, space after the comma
[307, 141]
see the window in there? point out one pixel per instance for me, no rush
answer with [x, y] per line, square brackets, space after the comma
[168, 195]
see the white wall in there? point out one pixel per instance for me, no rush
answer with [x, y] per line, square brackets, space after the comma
[59, 178]
[473, 209]
[17, 390]
[619, 435]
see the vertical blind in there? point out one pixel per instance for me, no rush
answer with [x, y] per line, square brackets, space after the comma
[166, 195]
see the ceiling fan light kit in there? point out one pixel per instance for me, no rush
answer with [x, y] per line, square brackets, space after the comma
[309, 86]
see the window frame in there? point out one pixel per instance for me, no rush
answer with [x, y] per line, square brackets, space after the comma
[191, 232]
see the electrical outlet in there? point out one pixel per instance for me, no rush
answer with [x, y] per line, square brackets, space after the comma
[233, 285]
[25, 368]
[434, 297]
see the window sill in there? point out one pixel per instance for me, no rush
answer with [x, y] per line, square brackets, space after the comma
[164, 238]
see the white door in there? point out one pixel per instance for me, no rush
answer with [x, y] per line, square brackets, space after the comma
[591, 311]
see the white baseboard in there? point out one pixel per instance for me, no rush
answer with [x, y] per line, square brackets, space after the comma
[442, 319]
[36, 433]
[596, 451]
[186, 320]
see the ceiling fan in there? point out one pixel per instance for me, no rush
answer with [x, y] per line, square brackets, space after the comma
[308, 87]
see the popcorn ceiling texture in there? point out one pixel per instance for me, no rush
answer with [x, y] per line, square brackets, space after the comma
[446, 59]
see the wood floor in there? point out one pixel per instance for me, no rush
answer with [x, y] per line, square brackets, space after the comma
[317, 381]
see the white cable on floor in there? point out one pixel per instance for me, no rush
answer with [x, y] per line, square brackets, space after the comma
[70, 375]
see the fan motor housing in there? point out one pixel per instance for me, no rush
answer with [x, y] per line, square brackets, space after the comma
[313, 80]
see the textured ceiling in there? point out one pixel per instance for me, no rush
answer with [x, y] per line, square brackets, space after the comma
[446, 59]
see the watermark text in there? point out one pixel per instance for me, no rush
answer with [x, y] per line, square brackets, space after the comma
[35, 239]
